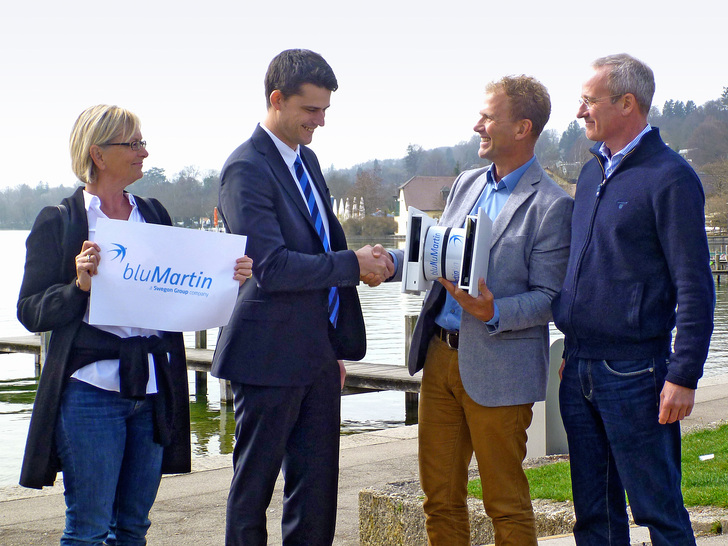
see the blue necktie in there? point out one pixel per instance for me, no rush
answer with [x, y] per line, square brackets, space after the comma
[320, 229]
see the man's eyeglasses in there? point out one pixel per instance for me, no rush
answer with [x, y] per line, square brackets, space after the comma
[591, 101]
[135, 145]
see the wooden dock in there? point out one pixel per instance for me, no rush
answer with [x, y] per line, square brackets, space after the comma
[546, 435]
[718, 245]
[718, 270]
[360, 376]
[21, 344]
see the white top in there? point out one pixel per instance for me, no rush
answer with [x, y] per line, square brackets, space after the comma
[104, 374]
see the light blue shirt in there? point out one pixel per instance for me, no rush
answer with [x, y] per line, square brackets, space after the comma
[613, 161]
[493, 198]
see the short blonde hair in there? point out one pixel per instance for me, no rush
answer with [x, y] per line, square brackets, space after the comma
[98, 125]
[529, 99]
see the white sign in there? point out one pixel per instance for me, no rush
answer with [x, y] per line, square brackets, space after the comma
[164, 278]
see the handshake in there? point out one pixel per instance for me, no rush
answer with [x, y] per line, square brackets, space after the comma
[375, 264]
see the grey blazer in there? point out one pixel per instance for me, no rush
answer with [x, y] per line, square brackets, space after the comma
[508, 364]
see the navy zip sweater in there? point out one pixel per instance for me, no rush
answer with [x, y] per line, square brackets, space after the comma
[639, 263]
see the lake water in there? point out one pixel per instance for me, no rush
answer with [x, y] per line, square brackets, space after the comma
[212, 425]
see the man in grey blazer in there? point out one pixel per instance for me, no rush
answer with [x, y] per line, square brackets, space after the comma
[485, 367]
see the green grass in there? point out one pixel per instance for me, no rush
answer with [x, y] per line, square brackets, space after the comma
[704, 483]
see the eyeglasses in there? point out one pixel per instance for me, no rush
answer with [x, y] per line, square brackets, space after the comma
[589, 102]
[135, 145]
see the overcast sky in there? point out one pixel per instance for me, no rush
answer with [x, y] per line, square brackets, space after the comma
[408, 72]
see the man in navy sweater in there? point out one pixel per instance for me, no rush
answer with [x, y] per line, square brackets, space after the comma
[638, 268]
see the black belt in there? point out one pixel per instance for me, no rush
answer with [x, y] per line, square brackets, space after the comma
[451, 337]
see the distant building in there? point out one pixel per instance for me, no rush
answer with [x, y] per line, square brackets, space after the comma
[426, 193]
[568, 171]
[686, 153]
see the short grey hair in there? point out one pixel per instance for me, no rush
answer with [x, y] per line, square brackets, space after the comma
[629, 75]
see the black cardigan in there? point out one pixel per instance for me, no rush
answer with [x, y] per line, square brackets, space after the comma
[50, 301]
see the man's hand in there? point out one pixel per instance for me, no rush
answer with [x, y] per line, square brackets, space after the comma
[481, 307]
[676, 403]
[375, 265]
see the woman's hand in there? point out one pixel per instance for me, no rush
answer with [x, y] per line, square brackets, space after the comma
[243, 269]
[87, 264]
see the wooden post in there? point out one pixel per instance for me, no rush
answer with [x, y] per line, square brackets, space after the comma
[201, 377]
[45, 341]
[411, 399]
[716, 265]
[201, 339]
[226, 393]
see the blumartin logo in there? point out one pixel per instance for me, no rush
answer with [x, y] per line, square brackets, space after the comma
[457, 242]
[160, 277]
[434, 262]
[119, 252]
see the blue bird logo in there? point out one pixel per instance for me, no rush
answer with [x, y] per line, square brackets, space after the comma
[120, 251]
[456, 241]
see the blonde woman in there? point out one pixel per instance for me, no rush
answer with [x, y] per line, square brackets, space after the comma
[112, 408]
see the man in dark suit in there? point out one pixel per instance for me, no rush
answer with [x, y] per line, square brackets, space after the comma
[299, 317]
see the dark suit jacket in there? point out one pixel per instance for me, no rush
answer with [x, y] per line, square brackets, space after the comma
[279, 333]
[50, 301]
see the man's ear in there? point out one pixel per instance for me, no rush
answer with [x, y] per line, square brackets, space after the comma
[523, 129]
[629, 104]
[276, 99]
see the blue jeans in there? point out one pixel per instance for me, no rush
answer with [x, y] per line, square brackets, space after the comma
[610, 412]
[111, 466]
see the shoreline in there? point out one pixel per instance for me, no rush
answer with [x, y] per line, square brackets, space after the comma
[190, 508]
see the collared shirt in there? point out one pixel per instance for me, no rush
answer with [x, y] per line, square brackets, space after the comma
[104, 374]
[613, 161]
[493, 198]
[289, 158]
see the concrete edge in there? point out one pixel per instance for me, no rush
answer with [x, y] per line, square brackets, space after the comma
[393, 515]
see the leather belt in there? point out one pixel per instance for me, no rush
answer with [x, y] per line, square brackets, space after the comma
[450, 337]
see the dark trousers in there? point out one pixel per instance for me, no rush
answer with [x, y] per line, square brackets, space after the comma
[295, 429]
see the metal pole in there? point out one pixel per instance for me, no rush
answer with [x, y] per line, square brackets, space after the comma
[411, 399]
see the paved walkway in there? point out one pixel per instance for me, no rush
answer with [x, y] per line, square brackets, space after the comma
[190, 509]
